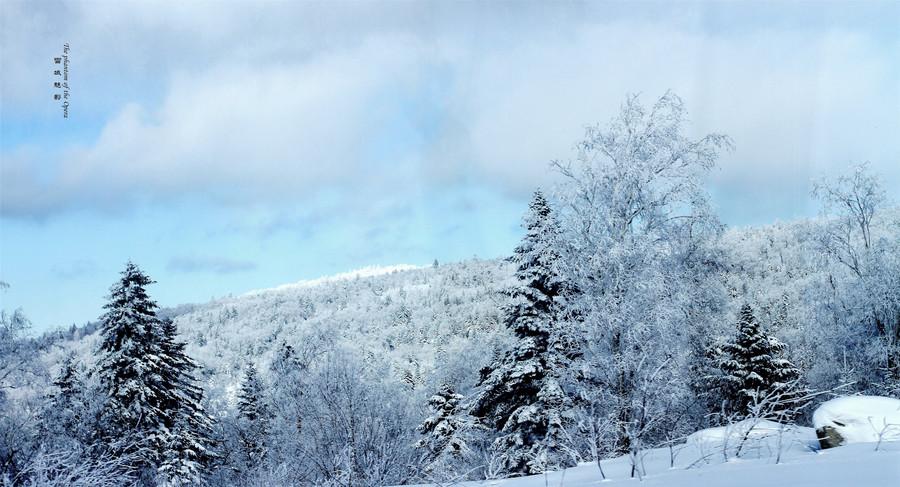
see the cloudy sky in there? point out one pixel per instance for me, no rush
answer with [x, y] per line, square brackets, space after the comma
[230, 146]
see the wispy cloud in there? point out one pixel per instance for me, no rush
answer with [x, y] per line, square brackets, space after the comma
[215, 265]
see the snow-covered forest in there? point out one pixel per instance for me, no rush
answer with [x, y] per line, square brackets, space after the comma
[627, 318]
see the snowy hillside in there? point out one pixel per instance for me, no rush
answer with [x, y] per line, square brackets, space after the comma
[411, 320]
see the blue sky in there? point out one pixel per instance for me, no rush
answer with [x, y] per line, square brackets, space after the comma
[231, 146]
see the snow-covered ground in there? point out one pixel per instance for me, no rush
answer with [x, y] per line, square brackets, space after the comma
[701, 462]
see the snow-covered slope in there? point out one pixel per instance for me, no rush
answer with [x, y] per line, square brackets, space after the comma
[702, 462]
[409, 321]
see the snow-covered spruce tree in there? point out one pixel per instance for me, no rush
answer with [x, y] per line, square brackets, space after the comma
[67, 383]
[753, 370]
[189, 442]
[130, 370]
[63, 413]
[152, 409]
[443, 443]
[520, 396]
[254, 415]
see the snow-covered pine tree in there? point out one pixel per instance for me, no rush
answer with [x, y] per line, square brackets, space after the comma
[443, 441]
[520, 396]
[129, 370]
[64, 410]
[152, 408]
[188, 447]
[754, 370]
[254, 415]
[67, 382]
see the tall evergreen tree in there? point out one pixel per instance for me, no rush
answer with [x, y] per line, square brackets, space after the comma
[254, 414]
[753, 370]
[130, 369]
[520, 395]
[152, 408]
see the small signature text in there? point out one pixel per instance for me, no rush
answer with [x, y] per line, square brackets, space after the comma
[61, 80]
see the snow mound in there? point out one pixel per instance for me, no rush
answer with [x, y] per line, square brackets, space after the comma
[860, 419]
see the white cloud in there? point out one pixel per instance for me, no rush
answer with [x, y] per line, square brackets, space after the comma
[269, 105]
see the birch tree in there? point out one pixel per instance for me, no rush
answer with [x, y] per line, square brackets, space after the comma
[639, 232]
